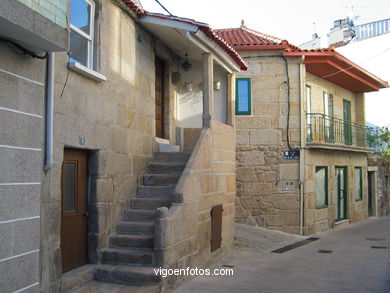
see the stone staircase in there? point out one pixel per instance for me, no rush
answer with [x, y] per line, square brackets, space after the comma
[130, 259]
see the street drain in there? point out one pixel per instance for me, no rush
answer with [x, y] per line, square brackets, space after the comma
[379, 247]
[295, 245]
[376, 239]
[324, 251]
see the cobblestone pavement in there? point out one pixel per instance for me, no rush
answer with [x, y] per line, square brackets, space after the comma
[354, 258]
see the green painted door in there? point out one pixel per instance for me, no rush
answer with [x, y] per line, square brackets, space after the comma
[341, 194]
[347, 122]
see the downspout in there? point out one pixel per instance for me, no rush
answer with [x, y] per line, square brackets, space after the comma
[49, 111]
[302, 86]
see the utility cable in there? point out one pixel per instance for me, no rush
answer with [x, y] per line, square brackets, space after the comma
[163, 7]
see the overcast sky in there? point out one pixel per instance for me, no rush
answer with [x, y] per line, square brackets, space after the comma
[287, 19]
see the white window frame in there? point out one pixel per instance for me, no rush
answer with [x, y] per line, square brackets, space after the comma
[89, 37]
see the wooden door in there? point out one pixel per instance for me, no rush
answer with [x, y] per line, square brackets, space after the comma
[216, 227]
[74, 209]
[159, 97]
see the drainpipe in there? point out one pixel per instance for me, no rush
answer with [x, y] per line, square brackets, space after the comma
[49, 111]
[302, 78]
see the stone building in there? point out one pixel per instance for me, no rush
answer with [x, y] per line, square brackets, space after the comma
[27, 33]
[116, 196]
[300, 124]
[381, 165]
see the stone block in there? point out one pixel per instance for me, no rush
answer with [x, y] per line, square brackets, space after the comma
[266, 96]
[19, 201]
[21, 95]
[271, 82]
[269, 109]
[102, 190]
[230, 183]
[26, 236]
[20, 166]
[264, 137]
[19, 272]
[118, 140]
[245, 174]
[270, 176]
[284, 201]
[125, 186]
[283, 218]
[242, 137]
[257, 188]
[252, 122]
[254, 203]
[254, 158]
[288, 172]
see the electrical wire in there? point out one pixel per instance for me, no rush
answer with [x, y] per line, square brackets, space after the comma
[24, 50]
[166, 10]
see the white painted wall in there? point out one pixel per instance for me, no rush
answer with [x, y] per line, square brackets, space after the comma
[190, 103]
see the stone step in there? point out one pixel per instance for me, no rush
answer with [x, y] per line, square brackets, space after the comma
[145, 228]
[155, 191]
[161, 179]
[131, 275]
[127, 256]
[133, 241]
[149, 203]
[164, 147]
[171, 157]
[157, 167]
[136, 215]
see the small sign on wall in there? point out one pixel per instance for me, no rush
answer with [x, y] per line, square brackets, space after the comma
[291, 154]
[289, 185]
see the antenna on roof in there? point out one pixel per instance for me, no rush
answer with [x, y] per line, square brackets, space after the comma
[242, 23]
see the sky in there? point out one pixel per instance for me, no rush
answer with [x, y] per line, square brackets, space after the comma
[293, 20]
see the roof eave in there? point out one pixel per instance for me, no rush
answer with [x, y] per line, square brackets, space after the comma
[258, 47]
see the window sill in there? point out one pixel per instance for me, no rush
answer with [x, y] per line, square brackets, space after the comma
[321, 207]
[84, 71]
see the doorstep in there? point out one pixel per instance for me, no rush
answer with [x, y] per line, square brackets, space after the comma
[78, 277]
[342, 223]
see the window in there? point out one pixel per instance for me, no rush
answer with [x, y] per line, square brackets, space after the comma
[82, 14]
[243, 96]
[321, 187]
[358, 184]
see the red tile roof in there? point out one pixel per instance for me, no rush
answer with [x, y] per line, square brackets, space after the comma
[202, 26]
[134, 7]
[325, 63]
[244, 38]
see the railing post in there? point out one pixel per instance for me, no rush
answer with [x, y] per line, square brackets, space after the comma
[208, 93]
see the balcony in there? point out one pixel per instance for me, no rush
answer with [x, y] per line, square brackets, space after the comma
[328, 132]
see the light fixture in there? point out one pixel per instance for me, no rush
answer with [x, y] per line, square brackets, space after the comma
[217, 85]
[186, 66]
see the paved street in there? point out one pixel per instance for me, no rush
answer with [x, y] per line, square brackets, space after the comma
[351, 264]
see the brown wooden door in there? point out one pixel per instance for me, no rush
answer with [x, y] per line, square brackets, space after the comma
[159, 97]
[74, 209]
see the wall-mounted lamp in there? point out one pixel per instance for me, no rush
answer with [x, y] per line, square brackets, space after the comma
[186, 66]
[188, 86]
[217, 85]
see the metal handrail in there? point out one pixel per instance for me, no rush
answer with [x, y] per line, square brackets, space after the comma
[321, 128]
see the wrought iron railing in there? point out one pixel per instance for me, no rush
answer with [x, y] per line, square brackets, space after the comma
[321, 128]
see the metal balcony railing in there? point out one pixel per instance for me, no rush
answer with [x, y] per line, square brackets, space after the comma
[321, 128]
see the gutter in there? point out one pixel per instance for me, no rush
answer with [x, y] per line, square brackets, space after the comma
[302, 78]
[49, 111]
